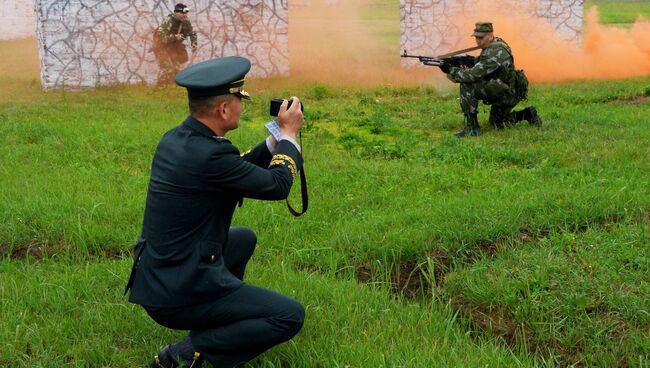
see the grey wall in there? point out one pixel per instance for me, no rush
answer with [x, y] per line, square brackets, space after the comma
[87, 43]
[17, 19]
[433, 27]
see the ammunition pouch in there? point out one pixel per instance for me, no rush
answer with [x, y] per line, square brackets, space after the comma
[521, 85]
[495, 89]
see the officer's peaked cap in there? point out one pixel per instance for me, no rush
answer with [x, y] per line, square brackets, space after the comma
[215, 77]
[482, 28]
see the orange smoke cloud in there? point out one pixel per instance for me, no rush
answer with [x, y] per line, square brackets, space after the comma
[605, 52]
[336, 41]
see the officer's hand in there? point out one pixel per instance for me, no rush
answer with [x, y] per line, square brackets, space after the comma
[445, 67]
[290, 120]
[179, 37]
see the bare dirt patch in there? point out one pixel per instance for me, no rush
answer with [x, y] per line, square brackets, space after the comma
[33, 251]
[43, 251]
[406, 278]
[636, 100]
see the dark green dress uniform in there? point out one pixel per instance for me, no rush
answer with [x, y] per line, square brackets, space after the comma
[189, 269]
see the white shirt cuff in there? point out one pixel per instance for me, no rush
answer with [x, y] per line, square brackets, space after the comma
[269, 145]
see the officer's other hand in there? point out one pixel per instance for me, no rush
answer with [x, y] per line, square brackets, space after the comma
[445, 67]
[290, 120]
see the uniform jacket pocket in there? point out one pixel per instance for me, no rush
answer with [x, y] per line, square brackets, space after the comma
[210, 251]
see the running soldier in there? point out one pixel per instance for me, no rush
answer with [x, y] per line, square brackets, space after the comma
[168, 43]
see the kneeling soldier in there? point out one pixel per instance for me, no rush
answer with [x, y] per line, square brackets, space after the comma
[189, 267]
[493, 80]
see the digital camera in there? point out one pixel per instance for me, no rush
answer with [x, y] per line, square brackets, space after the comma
[274, 109]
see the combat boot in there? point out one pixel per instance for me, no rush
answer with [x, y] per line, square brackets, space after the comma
[172, 356]
[476, 129]
[530, 115]
[471, 126]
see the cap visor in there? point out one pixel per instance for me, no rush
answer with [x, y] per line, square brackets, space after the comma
[243, 94]
[479, 34]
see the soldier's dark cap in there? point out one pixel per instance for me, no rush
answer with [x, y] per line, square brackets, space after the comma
[482, 28]
[181, 8]
[216, 77]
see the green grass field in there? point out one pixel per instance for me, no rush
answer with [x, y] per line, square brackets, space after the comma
[620, 12]
[527, 247]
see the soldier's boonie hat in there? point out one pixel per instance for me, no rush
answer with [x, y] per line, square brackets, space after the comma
[482, 28]
[181, 8]
[215, 77]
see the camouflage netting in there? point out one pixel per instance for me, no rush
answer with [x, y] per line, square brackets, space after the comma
[87, 43]
[433, 27]
[17, 19]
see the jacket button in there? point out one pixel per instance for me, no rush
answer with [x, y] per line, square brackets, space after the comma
[212, 258]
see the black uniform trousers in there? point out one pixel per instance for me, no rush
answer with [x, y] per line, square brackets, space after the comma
[243, 324]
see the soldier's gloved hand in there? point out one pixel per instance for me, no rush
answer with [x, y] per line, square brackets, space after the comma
[445, 67]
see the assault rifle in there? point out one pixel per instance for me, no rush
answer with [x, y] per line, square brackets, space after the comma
[446, 61]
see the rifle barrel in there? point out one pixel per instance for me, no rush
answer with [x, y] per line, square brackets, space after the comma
[421, 58]
[426, 60]
[415, 56]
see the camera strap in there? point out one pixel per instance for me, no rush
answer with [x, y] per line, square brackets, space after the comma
[303, 188]
[303, 193]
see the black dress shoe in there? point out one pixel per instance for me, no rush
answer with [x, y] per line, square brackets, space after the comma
[164, 359]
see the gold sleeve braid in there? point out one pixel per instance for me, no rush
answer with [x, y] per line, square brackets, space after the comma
[244, 153]
[280, 159]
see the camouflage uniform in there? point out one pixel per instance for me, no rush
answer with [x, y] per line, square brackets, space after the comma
[493, 80]
[490, 80]
[170, 52]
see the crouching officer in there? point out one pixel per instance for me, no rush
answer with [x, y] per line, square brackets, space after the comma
[189, 268]
[494, 80]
